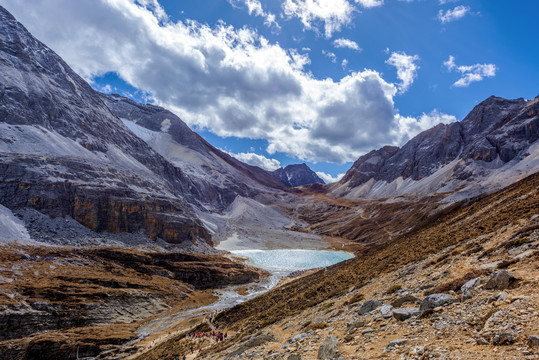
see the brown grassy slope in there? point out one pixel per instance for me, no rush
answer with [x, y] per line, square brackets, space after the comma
[363, 221]
[73, 277]
[482, 216]
[62, 299]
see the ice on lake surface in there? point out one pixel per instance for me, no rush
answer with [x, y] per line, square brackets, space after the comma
[288, 260]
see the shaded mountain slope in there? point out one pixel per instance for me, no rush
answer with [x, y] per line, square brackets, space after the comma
[218, 176]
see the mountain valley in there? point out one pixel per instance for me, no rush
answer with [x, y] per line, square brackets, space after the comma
[117, 221]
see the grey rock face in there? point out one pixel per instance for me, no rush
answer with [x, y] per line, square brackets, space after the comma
[435, 300]
[217, 176]
[403, 314]
[297, 175]
[499, 280]
[369, 306]
[386, 311]
[63, 153]
[328, 350]
[466, 289]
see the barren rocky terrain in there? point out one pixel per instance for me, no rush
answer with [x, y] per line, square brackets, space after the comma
[461, 287]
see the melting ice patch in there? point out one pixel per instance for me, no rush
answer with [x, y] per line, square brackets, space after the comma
[165, 125]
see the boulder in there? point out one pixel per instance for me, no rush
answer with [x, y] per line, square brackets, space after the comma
[328, 350]
[386, 311]
[396, 343]
[466, 289]
[294, 357]
[403, 314]
[499, 280]
[253, 342]
[504, 338]
[369, 306]
[435, 300]
[534, 340]
[408, 298]
[351, 326]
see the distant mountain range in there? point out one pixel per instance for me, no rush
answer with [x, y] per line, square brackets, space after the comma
[116, 166]
[495, 145]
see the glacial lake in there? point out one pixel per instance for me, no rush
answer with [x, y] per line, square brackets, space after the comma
[288, 260]
[278, 262]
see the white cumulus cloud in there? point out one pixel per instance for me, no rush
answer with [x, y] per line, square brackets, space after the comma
[453, 14]
[328, 179]
[333, 14]
[218, 78]
[470, 73]
[257, 160]
[255, 8]
[346, 43]
[406, 68]
[330, 55]
[408, 127]
[370, 3]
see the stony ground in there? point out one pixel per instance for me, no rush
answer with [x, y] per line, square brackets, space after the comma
[396, 318]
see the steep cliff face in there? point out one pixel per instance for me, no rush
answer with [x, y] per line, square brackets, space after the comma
[496, 140]
[64, 153]
[297, 175]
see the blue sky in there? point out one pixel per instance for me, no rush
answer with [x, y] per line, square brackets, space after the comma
[277, 82]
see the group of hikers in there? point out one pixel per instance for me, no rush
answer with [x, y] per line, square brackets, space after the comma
[216, 334]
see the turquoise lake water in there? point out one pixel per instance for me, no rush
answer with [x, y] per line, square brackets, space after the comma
[288, 260]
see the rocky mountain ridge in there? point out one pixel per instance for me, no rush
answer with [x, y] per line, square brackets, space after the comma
[218, 176]
[297, 175]
[65, 154]
[493, 139]
[111, 164]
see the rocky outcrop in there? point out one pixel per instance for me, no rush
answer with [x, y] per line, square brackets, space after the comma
[328, 350]
[435, 300]
[297, 175]
[500, 280]
[369, 306]
[404, 314]
[61, 288]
